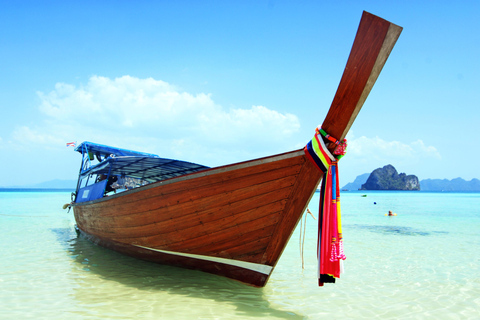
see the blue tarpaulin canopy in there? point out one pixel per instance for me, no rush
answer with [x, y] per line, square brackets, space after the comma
[103, 150]
[127, 163]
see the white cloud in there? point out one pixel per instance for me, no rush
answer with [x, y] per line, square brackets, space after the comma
[26, 137]
[151, 114]
[367, 154]
[126, 102]
[379, 148]
[258, 122]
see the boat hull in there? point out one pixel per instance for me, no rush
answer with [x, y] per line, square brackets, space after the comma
[233, 221]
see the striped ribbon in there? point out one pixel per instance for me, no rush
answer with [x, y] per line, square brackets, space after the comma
[330, 240]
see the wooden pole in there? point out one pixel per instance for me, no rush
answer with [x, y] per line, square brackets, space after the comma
[372, 45]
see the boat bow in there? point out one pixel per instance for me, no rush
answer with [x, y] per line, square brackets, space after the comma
[233, 220]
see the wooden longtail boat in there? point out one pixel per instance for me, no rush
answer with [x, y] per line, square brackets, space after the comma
[233, 220]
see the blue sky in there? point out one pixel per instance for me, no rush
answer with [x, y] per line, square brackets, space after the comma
[216, 82]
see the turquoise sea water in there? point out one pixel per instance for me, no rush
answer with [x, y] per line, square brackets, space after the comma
[423, 263]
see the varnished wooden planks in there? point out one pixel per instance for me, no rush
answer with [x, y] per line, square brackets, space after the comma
[186, 211]
[302, 192]
[186, 189]
[210, 220]
[206, 221]
[373, 43]
[199, 198]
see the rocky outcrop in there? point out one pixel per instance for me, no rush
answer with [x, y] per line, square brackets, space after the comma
[387, 178]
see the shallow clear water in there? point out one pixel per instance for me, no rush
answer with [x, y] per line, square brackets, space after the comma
[422, 263]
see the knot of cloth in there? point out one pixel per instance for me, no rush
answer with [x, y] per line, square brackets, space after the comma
[341, 146]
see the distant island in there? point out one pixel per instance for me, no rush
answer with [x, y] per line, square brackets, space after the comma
[437, 185]
[52, 184]
[453, 185]
[387, 178]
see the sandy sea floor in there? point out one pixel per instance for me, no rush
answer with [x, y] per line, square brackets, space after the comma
[421, 264]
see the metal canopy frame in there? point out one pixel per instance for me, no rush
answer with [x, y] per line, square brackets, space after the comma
[127, 163]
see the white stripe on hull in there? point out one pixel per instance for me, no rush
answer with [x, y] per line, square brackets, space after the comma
[261, 268]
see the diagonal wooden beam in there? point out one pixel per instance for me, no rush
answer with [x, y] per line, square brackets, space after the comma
[372, 45]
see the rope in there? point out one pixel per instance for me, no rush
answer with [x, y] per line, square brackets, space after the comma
[300, 243]
[302, 234]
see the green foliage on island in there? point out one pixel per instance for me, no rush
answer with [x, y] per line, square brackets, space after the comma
[387, 178]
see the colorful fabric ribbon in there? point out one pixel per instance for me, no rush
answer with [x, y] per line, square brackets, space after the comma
[330, 241]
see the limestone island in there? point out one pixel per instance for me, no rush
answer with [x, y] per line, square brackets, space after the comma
[387, 178]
